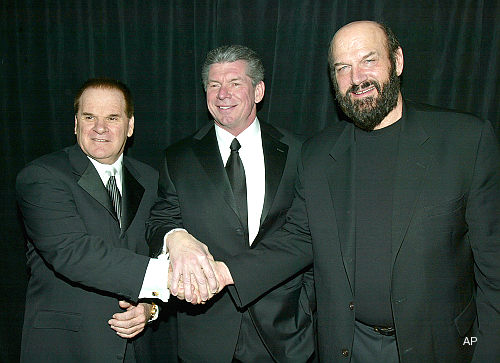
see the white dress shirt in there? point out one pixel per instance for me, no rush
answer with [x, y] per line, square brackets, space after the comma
[252, 157]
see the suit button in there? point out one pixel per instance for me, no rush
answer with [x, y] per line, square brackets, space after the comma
[239, 231]
[345, 352]
[351, 306]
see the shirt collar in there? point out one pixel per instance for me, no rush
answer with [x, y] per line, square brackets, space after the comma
[246, 138]
[104, 169]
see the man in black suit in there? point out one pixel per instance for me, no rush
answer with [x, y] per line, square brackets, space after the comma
[399, 210]
[84, 209]
[230, 185]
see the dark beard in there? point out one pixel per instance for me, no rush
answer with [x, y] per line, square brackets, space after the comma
[370, 111]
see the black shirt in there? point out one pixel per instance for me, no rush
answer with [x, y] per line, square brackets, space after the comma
[374, 183]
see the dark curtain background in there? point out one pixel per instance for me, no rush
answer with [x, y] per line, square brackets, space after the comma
[48, 48]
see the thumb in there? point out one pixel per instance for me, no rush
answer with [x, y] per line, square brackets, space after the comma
[124, 304]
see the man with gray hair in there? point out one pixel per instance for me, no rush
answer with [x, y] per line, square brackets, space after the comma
[230, 185]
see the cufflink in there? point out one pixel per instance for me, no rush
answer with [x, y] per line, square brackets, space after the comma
[154, 310]
[156, 293]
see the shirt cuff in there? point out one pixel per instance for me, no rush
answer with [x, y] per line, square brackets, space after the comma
[155, 284]
[164, 250]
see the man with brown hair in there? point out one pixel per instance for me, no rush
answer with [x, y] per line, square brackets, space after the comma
[84, 209]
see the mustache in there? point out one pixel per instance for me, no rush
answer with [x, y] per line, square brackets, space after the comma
[357, 87]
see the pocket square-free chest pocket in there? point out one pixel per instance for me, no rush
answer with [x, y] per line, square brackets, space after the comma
[50, 319]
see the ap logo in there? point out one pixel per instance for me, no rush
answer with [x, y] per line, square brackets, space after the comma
[469, 341]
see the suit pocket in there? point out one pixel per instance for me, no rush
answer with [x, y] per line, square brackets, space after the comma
[447, 207]
[50, 319]
[305, 303]
[466, 318]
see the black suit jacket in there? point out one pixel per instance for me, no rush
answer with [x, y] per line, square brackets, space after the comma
[81, 263]
[195, 194]
[445, 283]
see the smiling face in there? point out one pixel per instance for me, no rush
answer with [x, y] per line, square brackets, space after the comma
[365, 79]
[101, 124]
[231, 97]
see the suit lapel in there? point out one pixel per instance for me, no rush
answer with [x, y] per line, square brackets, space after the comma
[275, 154]
[89, 179]
[340, 175]
[414, 159]
[206, 150]
[132, 194]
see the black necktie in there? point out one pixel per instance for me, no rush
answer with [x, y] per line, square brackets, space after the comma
[236, 173]
[114, 194]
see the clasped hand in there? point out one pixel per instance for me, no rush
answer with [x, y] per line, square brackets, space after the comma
[194, 275]
[132, 321]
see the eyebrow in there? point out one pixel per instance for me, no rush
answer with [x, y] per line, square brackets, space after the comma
[231, 80]
[369, 54]
[372, 53]
[91, 114]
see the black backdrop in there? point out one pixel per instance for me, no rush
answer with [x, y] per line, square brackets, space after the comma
[48, 48]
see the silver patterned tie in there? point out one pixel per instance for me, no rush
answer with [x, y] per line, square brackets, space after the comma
[114, 194]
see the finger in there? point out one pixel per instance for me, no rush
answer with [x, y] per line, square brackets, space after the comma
[125, 320]
[123, 316]
[211, 275]
[180, 292]
[124, 304]
[209, 255]
[187, 284]
[181, 296]
[176, 276]
[201, 280]
[133, 319]
[129, 332]
[131, 313]
[128, 336]
[170, 273]
[199, 300]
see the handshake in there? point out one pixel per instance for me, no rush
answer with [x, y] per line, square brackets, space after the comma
[194, 275]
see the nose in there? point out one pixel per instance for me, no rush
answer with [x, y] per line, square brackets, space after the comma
[223, 92]
[100, 125]
[358, 76]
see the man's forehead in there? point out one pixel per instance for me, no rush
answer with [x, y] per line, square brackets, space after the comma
[100, 92]
[358, 37]
[236, 65]
[110, 98]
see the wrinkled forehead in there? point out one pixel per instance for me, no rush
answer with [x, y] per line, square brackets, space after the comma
[358, 38]
[237, 67]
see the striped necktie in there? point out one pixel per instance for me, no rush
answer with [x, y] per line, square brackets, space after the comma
[114, 194]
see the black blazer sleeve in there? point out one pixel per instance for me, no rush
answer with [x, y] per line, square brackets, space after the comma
[483, 220]
[52, 217]
[165, 214]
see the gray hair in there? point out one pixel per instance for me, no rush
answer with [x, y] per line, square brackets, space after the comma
[233, 53]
